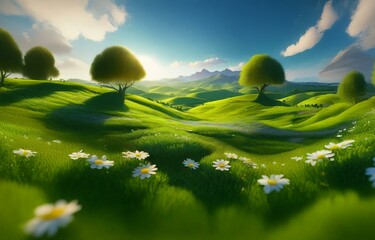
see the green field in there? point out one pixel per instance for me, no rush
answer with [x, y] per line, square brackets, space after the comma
[332, 200]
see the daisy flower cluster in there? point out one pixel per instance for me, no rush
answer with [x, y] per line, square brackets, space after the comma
[94, 161]
[145, 169]
[325, 154]
[244, 160]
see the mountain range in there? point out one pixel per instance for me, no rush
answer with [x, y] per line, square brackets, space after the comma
[204, 73]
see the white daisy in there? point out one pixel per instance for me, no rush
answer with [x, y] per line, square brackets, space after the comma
[313, 158]
[346, 144]
[296, 158]
[191, 163]
[77, 155]
[144, 171]
[248, 162]
[100, 163]
[221, 165]
[25, 153]
[50, 217]
[56, 141]
[274, 182]
[341, 145]
[231, 155]
[140, 155]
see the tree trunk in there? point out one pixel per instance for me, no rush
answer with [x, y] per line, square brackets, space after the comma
[2, 78]
[261, 90]
[121, 91]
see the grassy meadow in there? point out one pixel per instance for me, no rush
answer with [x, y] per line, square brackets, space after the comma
[332, 200]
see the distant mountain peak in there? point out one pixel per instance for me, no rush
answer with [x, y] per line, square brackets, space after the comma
[204, 73]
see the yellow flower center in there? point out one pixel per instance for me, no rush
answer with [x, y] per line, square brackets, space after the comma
[221, 165]
[144, 170]
[271, 182]
[335, 147]
[191, 164]
[99, 162]
[55, 213]
[25, 153]
[321, 156]
[138, 154]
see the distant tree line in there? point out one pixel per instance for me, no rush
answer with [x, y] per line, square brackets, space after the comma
[38, 62]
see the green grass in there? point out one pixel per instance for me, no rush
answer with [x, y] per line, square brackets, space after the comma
[333, 200]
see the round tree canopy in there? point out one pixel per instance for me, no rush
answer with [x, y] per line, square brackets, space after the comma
[10, 54]
[39, 64]
[352, 86]
[116, 64]
[262, 69]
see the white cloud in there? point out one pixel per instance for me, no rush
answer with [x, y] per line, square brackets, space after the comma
[238, 67]
[11, 7]
[362, 24]
[206, 63]
[71, 18]
[313, 35]
[176, 64]
[73, 68]
[46, 36]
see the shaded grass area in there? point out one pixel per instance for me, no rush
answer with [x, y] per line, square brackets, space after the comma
[213, 204]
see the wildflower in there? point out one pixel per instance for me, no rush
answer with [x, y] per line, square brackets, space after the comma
[77, 155]
[243, 159]
[274, 182]
[231, 155]
[144, 171]
[191, 163]
[263, 165]
[140, 155]
[25, 153]
[100, 163]
[56, 141]
[341, 145]
[297, 158]
[313, 158]
[50, 217]
[248, 162]
[221, 165]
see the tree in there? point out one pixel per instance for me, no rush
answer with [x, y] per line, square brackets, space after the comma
[39, 64]
[10, 56]
[373, 76]
[352, 86]
[117, 68]
[261, 71]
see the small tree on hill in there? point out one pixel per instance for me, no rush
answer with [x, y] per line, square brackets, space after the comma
[117, 68]
[40, 64]
[261, 71]
[10, 56]
[352, 87]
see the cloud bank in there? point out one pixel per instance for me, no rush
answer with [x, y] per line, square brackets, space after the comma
[314, 34]
[362, 24]
[71, 18]
[206, 63]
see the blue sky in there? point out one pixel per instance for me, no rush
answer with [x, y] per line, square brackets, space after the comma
[181, 37]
